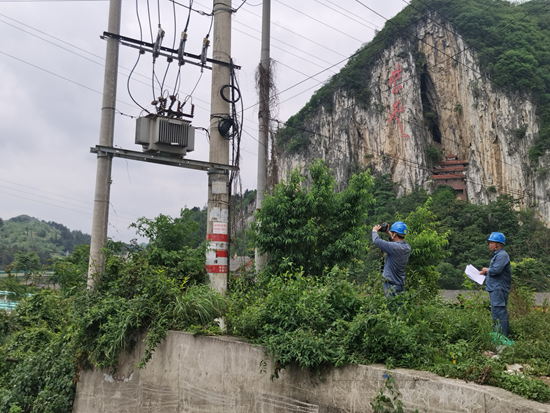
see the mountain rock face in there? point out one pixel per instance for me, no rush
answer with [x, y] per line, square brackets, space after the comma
[443, 101]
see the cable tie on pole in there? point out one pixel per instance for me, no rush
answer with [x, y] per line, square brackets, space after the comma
[158, 44]
[181, 48]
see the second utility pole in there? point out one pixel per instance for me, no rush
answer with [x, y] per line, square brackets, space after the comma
[263, 118]
[218, 181]
[100, 220]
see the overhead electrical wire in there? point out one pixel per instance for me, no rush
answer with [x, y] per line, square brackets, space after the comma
[61, 77]
[290, 31]
[349, 17]
[371, 44]
[286, 51]
[319, 21]
[131, 74]
[280, 41]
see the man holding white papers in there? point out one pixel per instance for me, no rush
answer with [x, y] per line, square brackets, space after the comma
[499, 282]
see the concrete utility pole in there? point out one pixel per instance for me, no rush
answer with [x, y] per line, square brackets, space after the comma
[218, 181]
[263, 118]
[100, 221]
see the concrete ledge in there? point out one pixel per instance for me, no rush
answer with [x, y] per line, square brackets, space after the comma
[223, 374]
[452, 294]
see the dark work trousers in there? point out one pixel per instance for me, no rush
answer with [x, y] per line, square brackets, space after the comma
[391, 290]
[499, 311]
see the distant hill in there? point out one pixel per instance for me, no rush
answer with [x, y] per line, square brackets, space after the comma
[47, 239]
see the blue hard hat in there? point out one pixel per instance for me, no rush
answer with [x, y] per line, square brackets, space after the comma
[399, 227]
[497, 237]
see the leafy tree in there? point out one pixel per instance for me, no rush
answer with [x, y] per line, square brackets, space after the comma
[172, 244]
[314, 228]
[27, 263]
[427, 250]
[71, 272]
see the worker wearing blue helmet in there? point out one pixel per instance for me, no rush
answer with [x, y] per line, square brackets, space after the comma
[499, 282]
[397, 256]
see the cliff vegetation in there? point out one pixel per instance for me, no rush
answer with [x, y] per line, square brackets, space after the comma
[511, 41]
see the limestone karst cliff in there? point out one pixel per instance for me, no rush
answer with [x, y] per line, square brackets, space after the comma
[426, 88]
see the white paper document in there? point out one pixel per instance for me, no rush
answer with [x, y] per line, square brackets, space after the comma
[474, 275]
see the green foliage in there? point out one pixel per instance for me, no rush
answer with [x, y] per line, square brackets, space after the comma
[516, 59]
[383, 403]
[71, 272]
[434, 154]
[43, 378]
[427, 250]
[316, 227]
[173, 244]
[328, 320]
[468, 227]
[144, 292]
[520, 132]
[47, 239]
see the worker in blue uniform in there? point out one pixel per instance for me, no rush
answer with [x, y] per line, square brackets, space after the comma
[397, 255]
[499, 282]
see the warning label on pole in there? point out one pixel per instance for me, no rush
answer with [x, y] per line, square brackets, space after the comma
[220, 227]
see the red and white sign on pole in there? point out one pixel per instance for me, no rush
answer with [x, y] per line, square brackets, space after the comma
[217, 256]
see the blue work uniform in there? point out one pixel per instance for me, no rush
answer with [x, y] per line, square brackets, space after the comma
[396, 263]
[498, 284]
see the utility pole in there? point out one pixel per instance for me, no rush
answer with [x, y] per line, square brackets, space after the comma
[263, 117]
[218, 181]
[100, 222]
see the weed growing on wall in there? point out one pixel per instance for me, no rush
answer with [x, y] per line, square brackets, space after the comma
[145, 291]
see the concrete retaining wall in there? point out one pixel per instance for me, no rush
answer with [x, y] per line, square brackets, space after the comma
[452, 294]
[223, 374]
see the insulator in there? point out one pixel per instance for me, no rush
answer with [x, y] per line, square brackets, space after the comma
[181, 49]
[158, 44]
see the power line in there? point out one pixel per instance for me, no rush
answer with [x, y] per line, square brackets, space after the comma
[58, 195]
[286, 51]
[61, 77]
[371, 44]
[291, 31]
[375, 28]
[286, 44]
[319, 21]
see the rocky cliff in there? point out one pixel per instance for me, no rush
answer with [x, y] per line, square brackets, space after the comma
[424, 91]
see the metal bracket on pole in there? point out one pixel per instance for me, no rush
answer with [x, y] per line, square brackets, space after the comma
[128, 41]
[162, 159]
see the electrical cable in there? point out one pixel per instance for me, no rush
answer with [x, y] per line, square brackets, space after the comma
[297, 34]
[137, 61]
[319, 21]
[349, 17]
[61, 77]
[131, 71]
[371, 44]
[58, 195]
[285, 50]
[150, 22]
[241, 5]
[178, 76]
[158, 9]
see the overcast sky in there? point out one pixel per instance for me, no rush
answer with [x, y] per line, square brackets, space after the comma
[51, 65]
